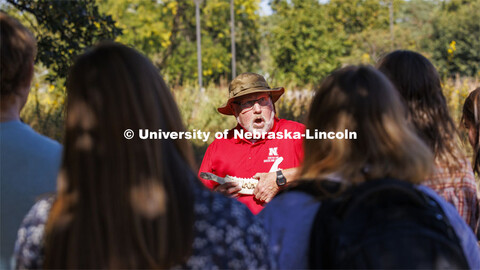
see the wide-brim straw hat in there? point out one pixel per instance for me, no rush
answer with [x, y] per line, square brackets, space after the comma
[245, 84]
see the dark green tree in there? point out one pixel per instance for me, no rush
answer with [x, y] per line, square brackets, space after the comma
[64, 29]
[165, 31]
[455, 40]
[413, 22]
[366, 25]
[304, 43]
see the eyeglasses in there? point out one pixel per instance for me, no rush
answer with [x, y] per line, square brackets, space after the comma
[263, 101]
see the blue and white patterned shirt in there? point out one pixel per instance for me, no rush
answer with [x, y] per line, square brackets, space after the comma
[226, 235]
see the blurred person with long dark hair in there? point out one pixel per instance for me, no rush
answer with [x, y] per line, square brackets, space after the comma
[131, 203]
[358, 203]
[471, 121]
[418, 82]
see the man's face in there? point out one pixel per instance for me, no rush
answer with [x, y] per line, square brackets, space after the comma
[255, 112]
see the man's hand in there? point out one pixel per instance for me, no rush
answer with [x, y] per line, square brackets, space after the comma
[229, 189]
[267, 186]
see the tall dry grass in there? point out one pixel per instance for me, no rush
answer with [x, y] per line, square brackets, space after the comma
[44, 110]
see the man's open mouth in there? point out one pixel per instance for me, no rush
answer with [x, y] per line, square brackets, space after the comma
[259, 122]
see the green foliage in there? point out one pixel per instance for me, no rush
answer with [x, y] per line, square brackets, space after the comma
[295, 47]
[44, 110]
[456, 90]
[304, 44]
[413, 25]
[366, 24]
[359, 15]
[199, 109]
[455, 41]
[64, 29]
[294, 105]
[165, 31]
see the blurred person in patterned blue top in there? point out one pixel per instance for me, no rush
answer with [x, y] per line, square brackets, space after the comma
[132, 203]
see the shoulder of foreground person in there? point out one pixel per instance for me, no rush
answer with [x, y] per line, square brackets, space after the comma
[458, 188]
[288, 219]
[464, 233]
[21, 137]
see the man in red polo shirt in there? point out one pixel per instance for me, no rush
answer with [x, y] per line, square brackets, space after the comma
[272, 160]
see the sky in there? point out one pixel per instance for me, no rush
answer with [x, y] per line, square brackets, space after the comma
[265, 9]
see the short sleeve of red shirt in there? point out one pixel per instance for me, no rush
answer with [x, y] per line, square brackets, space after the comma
[207, 165]
[241, 158]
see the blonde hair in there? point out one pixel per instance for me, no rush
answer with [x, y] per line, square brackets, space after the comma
[362, 100]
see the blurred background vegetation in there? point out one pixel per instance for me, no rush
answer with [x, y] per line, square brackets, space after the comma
[295, 46]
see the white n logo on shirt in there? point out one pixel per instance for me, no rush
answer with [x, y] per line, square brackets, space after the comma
[273, 151]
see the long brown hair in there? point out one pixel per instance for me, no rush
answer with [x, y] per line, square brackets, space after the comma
[418, 82]
[471, 116]
[121, 203]
[362, 100]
